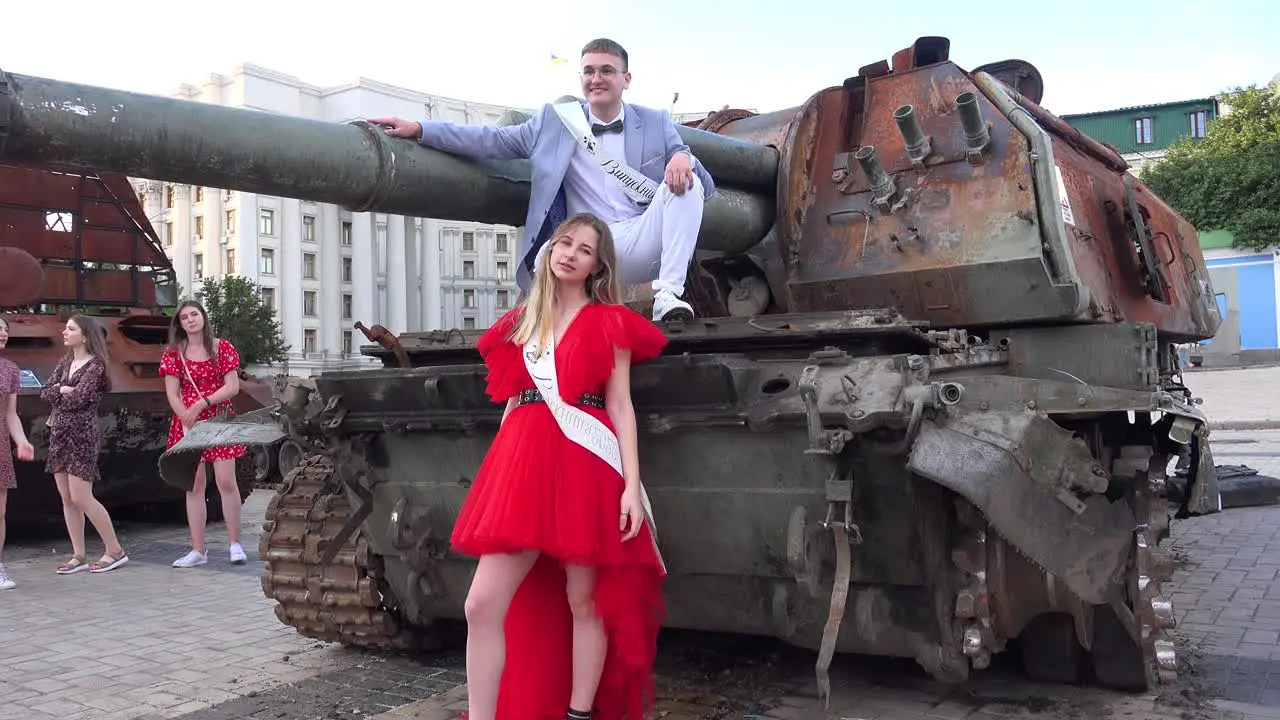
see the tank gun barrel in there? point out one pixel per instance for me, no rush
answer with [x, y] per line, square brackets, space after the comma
[353, 165]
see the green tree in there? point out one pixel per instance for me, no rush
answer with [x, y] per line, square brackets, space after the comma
[237, 313]
[1231, 178]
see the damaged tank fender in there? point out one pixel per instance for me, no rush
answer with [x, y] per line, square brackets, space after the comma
[1015, 469]
[178, 464]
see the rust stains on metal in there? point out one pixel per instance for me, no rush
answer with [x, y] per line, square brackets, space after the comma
[386, 339]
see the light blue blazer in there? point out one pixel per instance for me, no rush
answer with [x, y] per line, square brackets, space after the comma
[651, 140]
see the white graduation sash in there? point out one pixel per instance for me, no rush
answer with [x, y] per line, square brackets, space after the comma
[638, 187]
[578, 425]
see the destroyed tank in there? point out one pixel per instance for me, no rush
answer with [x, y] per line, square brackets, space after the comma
[78, 241]
[926, 409]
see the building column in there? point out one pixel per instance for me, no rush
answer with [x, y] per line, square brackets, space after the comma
[398, 270]
[363, 277]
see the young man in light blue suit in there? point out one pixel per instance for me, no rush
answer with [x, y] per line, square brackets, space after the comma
[655, 234]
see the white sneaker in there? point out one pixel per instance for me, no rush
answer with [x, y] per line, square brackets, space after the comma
[237, 554]
[666, 306]
[191, 559]
[6, 582]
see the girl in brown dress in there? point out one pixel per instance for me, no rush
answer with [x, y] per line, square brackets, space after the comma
[10, 428]
[74, 390]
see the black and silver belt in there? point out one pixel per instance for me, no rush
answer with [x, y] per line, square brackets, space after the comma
[533, 396]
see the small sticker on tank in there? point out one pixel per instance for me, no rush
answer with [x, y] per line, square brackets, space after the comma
[1063, 201]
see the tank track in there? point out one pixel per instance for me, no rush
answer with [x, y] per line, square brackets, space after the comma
[343, 601]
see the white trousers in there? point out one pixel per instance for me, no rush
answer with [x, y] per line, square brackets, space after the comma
[658, 245]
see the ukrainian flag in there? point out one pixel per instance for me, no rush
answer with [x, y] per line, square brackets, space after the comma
[557, 60]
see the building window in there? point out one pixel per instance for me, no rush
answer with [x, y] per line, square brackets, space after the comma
[468, 298]
[168, 196]
[468, 270]
[347, 345]
[309, 303]
[309, 266]
[500, 243]
[468, 242]
[309, 341]
[231, 221]
[230, 265]
[468, 323]
[503, 299]
[199, 227]
[346, 233]
[267, 262]
[1142, 130]
[309, 228]
[197, 265]
[266, 222]
[269, 297]
[346, 270]
[168, 233]
[346, 307]
[1198, 119]
[199, 194]
[502, 271]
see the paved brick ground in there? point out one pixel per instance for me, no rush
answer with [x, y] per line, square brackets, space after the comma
[149, 641]
[146, 639]
[1247, 396]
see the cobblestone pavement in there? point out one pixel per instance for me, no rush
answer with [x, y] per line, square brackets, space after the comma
[1244, 397]
[150, 641]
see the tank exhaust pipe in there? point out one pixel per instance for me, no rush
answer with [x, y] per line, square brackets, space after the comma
[918, 146]
[882, 187]
[975, 128]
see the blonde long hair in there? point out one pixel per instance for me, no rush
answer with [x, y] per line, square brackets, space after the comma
[602, 284]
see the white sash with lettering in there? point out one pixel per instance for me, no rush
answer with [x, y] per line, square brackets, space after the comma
[638, 187]
[579, 426]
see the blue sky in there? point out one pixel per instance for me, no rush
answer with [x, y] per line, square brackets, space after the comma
[1093, 54]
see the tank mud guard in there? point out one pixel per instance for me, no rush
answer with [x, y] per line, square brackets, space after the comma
[178, 464]
[1020, 470]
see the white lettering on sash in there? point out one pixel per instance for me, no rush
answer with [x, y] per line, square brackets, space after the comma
[579, 426]
[638, 187]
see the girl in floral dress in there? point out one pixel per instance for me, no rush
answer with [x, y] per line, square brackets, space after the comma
[564, 609]
[201, 376]
[73, 392]
[10, 429]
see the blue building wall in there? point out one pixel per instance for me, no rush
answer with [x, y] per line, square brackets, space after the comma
[1250, 294]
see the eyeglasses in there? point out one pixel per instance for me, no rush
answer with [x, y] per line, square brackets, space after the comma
[607, 71]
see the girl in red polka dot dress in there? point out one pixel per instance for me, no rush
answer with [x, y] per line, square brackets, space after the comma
[201, 377]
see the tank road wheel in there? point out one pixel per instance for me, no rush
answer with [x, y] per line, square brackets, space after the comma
[340, 602]
[1119, 661]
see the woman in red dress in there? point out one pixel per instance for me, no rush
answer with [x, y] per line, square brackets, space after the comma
[201, 376]
[566, 602]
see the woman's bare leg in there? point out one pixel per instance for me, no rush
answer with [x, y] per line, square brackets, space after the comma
[196, 516]
[224, 474]
[4, 503]
[72, 514]
[589, 641]
[495, 583]
[90, 507]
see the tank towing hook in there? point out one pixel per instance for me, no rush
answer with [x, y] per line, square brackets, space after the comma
[846, 534]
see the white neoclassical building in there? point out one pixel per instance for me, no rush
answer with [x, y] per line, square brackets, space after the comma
[324, 268]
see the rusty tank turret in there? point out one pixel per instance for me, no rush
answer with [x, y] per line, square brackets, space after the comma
[927, 407]
[78, 241]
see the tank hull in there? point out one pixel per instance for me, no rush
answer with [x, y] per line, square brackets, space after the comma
[939, 494]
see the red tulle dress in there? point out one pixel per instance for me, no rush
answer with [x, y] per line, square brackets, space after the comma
[538, 490]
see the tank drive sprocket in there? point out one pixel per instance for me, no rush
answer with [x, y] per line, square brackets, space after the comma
[338, 602]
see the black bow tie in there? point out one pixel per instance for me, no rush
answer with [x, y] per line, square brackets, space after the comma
[615, 126]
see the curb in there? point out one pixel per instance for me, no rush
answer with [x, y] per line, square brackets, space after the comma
[1245, 425]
